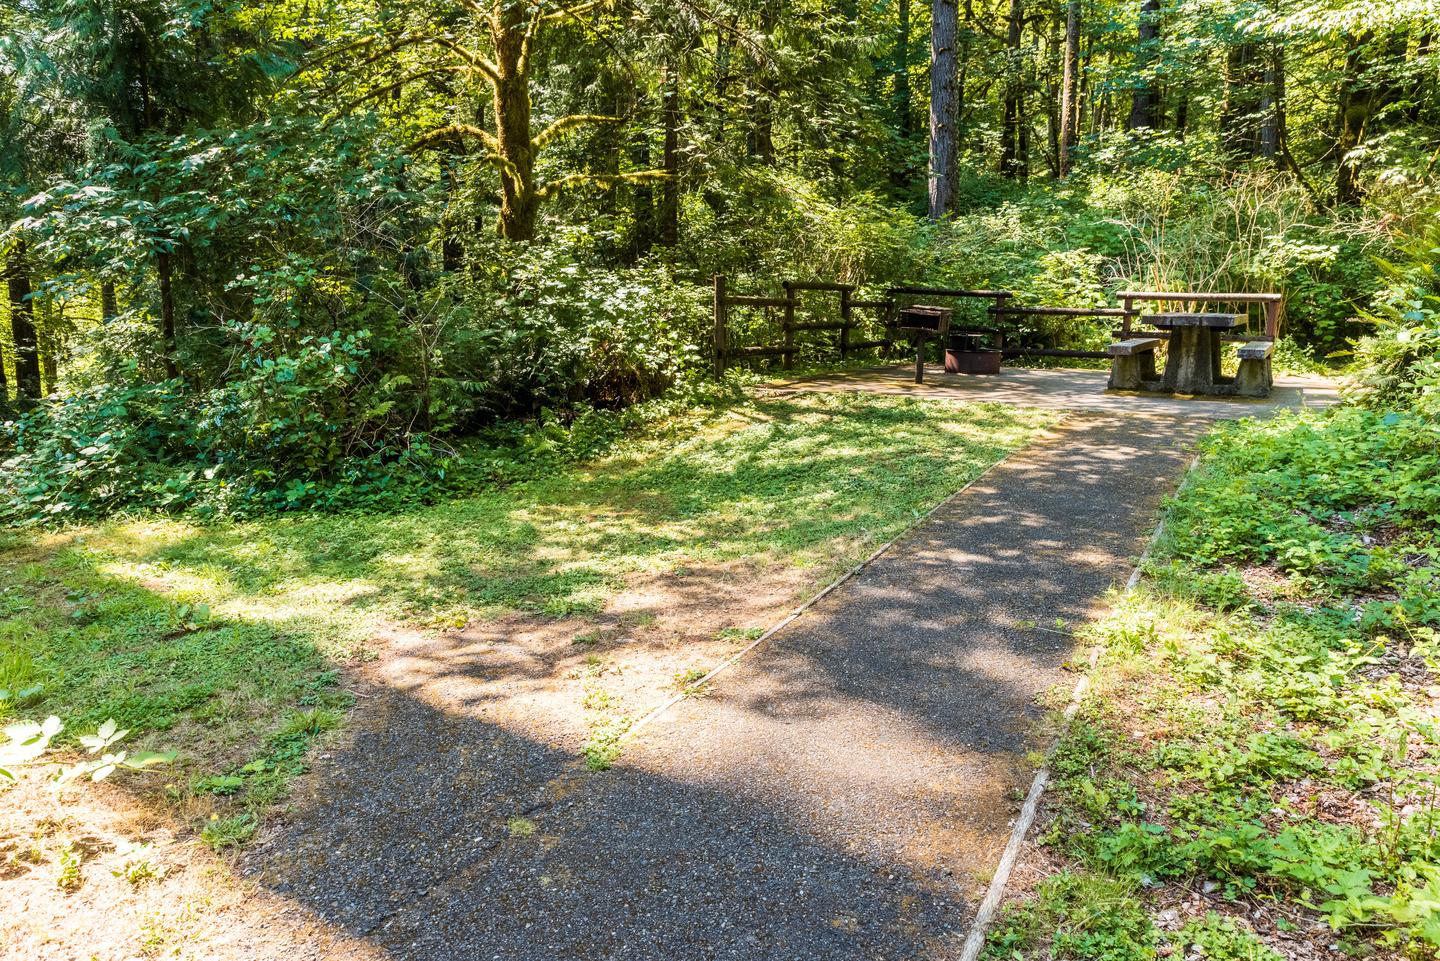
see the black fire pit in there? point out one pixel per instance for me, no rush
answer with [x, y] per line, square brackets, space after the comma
[966, 354]
[924, 322]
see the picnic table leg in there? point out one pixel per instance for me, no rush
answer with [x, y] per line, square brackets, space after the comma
[1192, 360]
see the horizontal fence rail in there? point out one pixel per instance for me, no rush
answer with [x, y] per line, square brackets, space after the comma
[1000, 310]
[725, 351]
[1272, 304]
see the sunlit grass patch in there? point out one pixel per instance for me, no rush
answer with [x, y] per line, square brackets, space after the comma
[213, 639]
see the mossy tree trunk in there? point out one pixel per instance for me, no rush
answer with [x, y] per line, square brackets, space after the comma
[22, 322]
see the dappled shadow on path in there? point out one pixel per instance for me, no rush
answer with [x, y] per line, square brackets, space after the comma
[965, 622]
[1061, 388]
[895, 716]
[440, 836]
[842, 795]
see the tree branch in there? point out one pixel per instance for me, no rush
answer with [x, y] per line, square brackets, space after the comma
[565, 124]
[574, 11]
[458, 130]
[345, 109]
[598, 180]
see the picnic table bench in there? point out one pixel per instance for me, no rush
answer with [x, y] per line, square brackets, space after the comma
[1132, 362]
[1193, 351]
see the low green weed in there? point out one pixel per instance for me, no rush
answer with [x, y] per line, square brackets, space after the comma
[1265, 731]
[222, 833]
[603, 745]
[1076, 915]
[1219, 938]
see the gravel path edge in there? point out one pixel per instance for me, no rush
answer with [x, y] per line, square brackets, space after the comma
[985, 915]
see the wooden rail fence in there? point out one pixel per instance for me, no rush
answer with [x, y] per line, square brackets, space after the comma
[788, 347]
[1000, 310]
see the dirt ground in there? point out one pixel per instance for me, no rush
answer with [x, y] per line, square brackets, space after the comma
[64, 854]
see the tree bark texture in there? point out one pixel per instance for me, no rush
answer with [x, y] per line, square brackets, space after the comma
[1014, 162]
[167, 314]
[1069, 88]
[22, 322]
[1272, 109]
[904, 99]
[1240, 113]
[519, 200]
[1145, 101]
[1356, 105]
[669, 213]
[944, 20]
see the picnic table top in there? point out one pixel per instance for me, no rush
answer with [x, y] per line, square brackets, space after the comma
[1205, 319]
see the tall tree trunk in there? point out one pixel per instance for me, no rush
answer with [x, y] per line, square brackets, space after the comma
[1365, 102]
[904, 98]
[1069, 88]
[642, 198]
[109, 304]
[1272, 109]
[722, 76]
[167, 314]
[22, 323]
[903, 102]
[1051, 98]
[1421, 90]
[50, 342]
[452, 251]
[1355, 108]
[670, 161]
[760, 137]
[1145, 102]
[962, 79]
[944, 18]
[519, 200]
[1013, 140]
[1240, 112]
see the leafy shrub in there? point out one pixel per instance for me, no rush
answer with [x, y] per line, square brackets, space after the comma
[1398, 364]
[548, 329]
[99, 450]
[161, 447]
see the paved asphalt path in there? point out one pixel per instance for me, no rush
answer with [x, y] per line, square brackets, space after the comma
[843, 793]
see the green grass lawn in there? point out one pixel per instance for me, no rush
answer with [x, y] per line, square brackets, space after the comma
[1257, 772]
[223, 641]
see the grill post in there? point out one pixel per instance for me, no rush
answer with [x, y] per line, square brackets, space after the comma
[720, 322]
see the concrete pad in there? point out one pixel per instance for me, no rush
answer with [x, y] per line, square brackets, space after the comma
[1063, 389]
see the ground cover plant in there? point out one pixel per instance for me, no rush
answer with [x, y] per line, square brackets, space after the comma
[1257, 773]
[227, 642]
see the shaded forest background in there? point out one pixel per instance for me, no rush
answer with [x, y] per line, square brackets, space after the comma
[280, 255]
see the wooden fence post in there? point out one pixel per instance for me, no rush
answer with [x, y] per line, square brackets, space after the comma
[1272, 319]
[1001, 299]
[720, 326]
[844, 322]
[1129, 303]
[787, 359]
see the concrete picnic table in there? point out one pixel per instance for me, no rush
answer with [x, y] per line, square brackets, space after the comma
[1192, 362]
